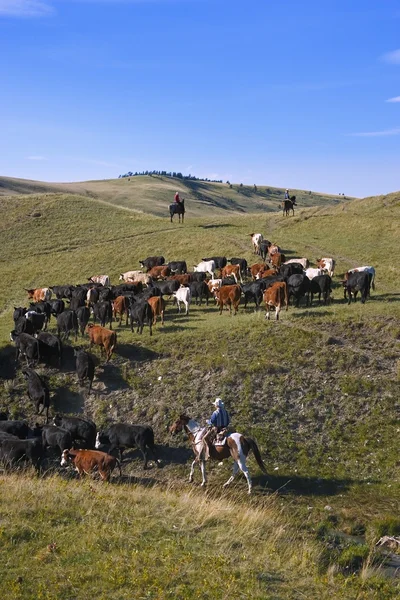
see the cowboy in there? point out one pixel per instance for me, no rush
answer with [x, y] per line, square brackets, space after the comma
[287, 197]
[218, 424]
[177, 199]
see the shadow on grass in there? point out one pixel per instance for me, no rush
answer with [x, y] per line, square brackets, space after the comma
[65, 400]
[304, 486]
[309, 312]
[8, 366]
[217, 226]
[136, 353]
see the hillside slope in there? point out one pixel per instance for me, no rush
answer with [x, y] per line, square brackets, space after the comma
[153, 194]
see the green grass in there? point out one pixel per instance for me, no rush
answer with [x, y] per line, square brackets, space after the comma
[319, 391]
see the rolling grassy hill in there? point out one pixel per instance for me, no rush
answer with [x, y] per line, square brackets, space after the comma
[153, 194]
[319, 390]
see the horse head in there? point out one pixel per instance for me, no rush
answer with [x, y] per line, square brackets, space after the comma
[179, 424]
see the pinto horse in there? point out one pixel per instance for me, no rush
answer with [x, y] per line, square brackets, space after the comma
[288, 205]
[177, 208]
[236, 445]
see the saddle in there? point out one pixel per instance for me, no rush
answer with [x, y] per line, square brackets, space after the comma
[220, 438]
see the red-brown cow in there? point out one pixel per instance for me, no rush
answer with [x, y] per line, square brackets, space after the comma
[266, 273]
[228, 295]
[89, 461]
[159, 272]
[39, 294]
[157, 304]
[276, 296]
[256, 268]
[232, 271]
[120, 308]
[185, 279]
[278, 259]
[105, 338]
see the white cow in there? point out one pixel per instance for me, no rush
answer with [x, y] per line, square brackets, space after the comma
[302, 261]
[205, 266]
[143, 277]
[103, 279]
[183, 294]
[129, 275]
[327, 264]
[369, 270]
[311, 273]
[256, 238]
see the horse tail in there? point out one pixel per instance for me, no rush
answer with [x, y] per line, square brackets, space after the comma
[257, 454]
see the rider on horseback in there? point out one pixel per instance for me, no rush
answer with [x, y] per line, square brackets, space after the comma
[218, 424]
[287, 196]
[176, 198]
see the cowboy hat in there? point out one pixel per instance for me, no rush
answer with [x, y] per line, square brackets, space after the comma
[218, 403]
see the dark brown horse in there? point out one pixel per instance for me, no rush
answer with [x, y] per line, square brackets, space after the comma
[288, 205]
[236, 446]
[177, 208]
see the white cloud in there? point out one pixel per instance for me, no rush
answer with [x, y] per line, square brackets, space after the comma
[385, 132]
[392, 57]
[395, 99]
[25, 8]
[36, 158]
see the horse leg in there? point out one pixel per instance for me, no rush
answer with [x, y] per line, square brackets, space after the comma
[192, 471]
[203, 472]
[244, 469]
[234, 473]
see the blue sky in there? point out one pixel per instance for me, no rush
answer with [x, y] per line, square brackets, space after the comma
[293, 94]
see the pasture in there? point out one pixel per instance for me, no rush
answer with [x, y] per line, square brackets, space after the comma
[318, 390]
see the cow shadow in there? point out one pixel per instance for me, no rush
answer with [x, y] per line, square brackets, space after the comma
[8, 366]
[304, 486]
[65, 400]
[393, 297]
[111, 376]
[136, 353]
[217, 225]
[305, 312]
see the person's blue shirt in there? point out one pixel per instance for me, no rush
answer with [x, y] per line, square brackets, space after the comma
[219, 418]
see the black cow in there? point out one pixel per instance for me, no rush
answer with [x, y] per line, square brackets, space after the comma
[56, 437]
[253, 291]
[14, 451]
[321, 285]
[124, 435]
[140, 312]
[38, 320]
[81, 430]
[220, 261]
[57, 307]
[23, 325]
[19, 311]
[167, 288]
[198, 276]
[67, 321]
[50, 346]
[84, 367]
[358, 282]
[63, 291]
[298, 286]
[130, 288]
[42, 307]
[38, 391]
[19, 429]
[83, 316]
[102, 311]
[152, 261]
[199, 289]
[178, 267]
[106, 294]
[26, 345]
[242, 262]
[264, 245]
[291, 269]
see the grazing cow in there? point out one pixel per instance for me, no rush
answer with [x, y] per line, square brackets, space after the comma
[19, 429]
[198, 289]
[252, 291]
[358, 282]
[276, 296]
[157, 304]
[273, 249]
[291, 269]
[321, 285]
[311, 273]
[298, 286]
[185, 279]
[141, 312]
[84, 367]
[15, 451]
[232, 271]
[256, 239]
[369, 270]
[57, 307]
[19, 311]
[38, 391]
[124, 435]
[24, 325]
[242, 262]
[103, 279]
[205, 267]
[179, 267]
[67, 321]
[39, 294]
[277, 259]
[220, 261]
[183, 295]
[90, 461]
[121, 308]
[38, 320]
[25, 345]
[83, 431]
[152, 261]
[56, 437]
[326, 264]
[256, 268]
[302, 261]
[100, 336]
[102, 311]
[83, 316]
[264, 246]
[228, 295]
[129, 275]
[50, 347]
[159, 272]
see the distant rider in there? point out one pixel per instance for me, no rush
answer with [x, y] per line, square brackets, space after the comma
[177, 199]
[287, 196]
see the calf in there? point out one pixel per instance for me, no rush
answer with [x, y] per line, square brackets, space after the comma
[275, 296]
[232, 271]
[38, 391]
[206, 267]
[50, 347]
[228, 295]
[56, 437]
[256, 239]
[264, 246]
[106, 339]
[102, 311]
[84, 367]
[321, 285]
[157, 304]
[277, 259]
[273, 249]
[124, 435]
[252, 291]
[141, 312]
[83, 431]
[121, 308]
[25, 345]
[83, 316]
[67, 321]
[89, 461]
[358, 282]
[242, 262]
[183, 295]
[103, 279]
[152, 261]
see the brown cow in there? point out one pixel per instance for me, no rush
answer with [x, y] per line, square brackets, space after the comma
[185, 279]
[228, 295]
[157, 304]
[275, 296]
[232, 270]
[277, 259]
[159, 272]
[273, 249]
[266, 273]
[256, 268]
[39, 294]
[105, 338]
[89, 461]
[120, 307]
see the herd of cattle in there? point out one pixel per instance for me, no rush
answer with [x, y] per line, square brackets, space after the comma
[139, 299]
